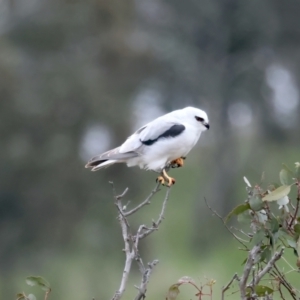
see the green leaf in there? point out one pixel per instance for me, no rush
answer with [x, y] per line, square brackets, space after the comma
[284, 177]
[258, 237]
[297, 228]
[266, 254]
[296, 253]
[298, 247]
[256, 203]
[277, 194]
[292, 244]
[274, 225]
[274, 238]
[244, 217]
[173, 292]
[237, 210]
[21, 296]
[262, 290]
[39, 281]
[284, 233]
[273, 186]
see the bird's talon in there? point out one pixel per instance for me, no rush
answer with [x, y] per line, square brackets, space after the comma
[171, 181]
[177, 163]
[161, 180]
[165, 176]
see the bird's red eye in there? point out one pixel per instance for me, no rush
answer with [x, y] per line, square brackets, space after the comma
[199, 119]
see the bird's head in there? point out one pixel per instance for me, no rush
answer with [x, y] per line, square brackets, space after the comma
[197, 117]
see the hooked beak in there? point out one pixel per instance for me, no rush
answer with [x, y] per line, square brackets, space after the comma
[206, 125]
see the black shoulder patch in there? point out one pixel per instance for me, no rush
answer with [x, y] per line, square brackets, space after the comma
[173, 131]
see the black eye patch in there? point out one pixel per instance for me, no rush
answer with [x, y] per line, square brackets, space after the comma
[199, 119]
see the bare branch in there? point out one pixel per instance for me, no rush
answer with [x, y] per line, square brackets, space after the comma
[155, 224]
[126, 237]
[119, 205]
[247, 269]
[268, 267]
[241, 241]
[131, 242]
[280, 292]
[284, 282]
[297, 206]
[145, 279]
[145, 202]
[47, 294]
[123, 194]
[227, 286]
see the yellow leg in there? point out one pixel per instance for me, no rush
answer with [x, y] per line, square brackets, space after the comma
[177, 163]
[165, 177]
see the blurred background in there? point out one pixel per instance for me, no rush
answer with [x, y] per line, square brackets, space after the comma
[77, 77]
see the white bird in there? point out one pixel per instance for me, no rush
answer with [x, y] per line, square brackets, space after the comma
[158, 145]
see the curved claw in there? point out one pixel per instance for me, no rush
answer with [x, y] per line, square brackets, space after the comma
[164, 177]
[161, 180]
[171, 181]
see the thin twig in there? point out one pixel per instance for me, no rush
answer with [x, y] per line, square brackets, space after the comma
[47, 294]
[241, 241]
[145, 279]
[292, 268]
[297, 206]
[139, 234]
[280, 292]
[241, 231]
[155, 224]
[123, 194]
[119, 205]
[278, 278]
[227, 286]
[126, 237]
[282, 277]
[285, 283]
[145, 202]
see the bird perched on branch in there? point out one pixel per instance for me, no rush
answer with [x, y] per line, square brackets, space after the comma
[158, 145]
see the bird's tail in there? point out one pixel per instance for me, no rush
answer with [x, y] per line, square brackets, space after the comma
[102, 164]
[108, 158]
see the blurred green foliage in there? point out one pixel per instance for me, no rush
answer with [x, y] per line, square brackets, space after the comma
[70, 70]
[265, 234]
[39, 281]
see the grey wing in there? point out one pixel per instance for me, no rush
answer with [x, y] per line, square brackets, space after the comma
[163, 130]
[151, 133]
[113, 154]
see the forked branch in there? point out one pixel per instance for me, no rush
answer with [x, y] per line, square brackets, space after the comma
[131, 241]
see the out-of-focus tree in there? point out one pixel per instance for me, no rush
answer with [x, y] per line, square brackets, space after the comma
[78, 76]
